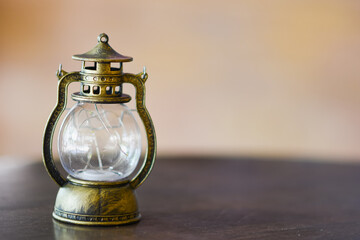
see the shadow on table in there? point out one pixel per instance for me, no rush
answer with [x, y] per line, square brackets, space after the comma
[76, 232]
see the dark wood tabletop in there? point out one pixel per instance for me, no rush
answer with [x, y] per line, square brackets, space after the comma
[203, 198]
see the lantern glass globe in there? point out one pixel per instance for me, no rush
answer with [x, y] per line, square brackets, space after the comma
[99, 142]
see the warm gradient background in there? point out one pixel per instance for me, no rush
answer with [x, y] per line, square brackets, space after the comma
[256, 77]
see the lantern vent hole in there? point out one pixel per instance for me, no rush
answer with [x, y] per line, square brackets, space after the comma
[115, 66]
[96, 90]
[108, 90]
[90, 65]
[117, 90]
[86, 89]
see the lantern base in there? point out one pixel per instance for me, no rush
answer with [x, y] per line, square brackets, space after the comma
[96, 203]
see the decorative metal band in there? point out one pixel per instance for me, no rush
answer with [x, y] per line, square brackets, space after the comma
[91, 78]
[139, 83]
[64, 80]
[123, 98]
[96, 184]
[94, 218]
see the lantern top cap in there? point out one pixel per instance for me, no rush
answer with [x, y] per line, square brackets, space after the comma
[102, 52]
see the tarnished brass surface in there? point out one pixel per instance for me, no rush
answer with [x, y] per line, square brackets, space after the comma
[85, 183]
[48, 160]
[100, 81]
[99, 203]
[139, 83]
[102, 52]
[123, 98]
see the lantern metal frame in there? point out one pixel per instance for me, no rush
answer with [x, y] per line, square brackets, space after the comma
[93, 202]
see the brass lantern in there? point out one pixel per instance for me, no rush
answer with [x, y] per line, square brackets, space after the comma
[99, 141]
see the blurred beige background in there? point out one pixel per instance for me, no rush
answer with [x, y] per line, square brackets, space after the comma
[252, 78]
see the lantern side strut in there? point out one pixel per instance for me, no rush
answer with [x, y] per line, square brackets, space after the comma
[64, 80]
[138, 81]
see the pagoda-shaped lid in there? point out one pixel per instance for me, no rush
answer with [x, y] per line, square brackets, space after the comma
[102, 52]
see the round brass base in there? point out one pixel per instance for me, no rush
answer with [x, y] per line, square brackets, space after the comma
[96, 203]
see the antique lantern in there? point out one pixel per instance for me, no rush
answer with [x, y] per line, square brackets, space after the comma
[99, 141]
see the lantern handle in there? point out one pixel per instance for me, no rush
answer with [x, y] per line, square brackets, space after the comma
[138, 81]
[64, 80]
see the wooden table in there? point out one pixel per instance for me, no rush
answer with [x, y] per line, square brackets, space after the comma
[203, 198]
